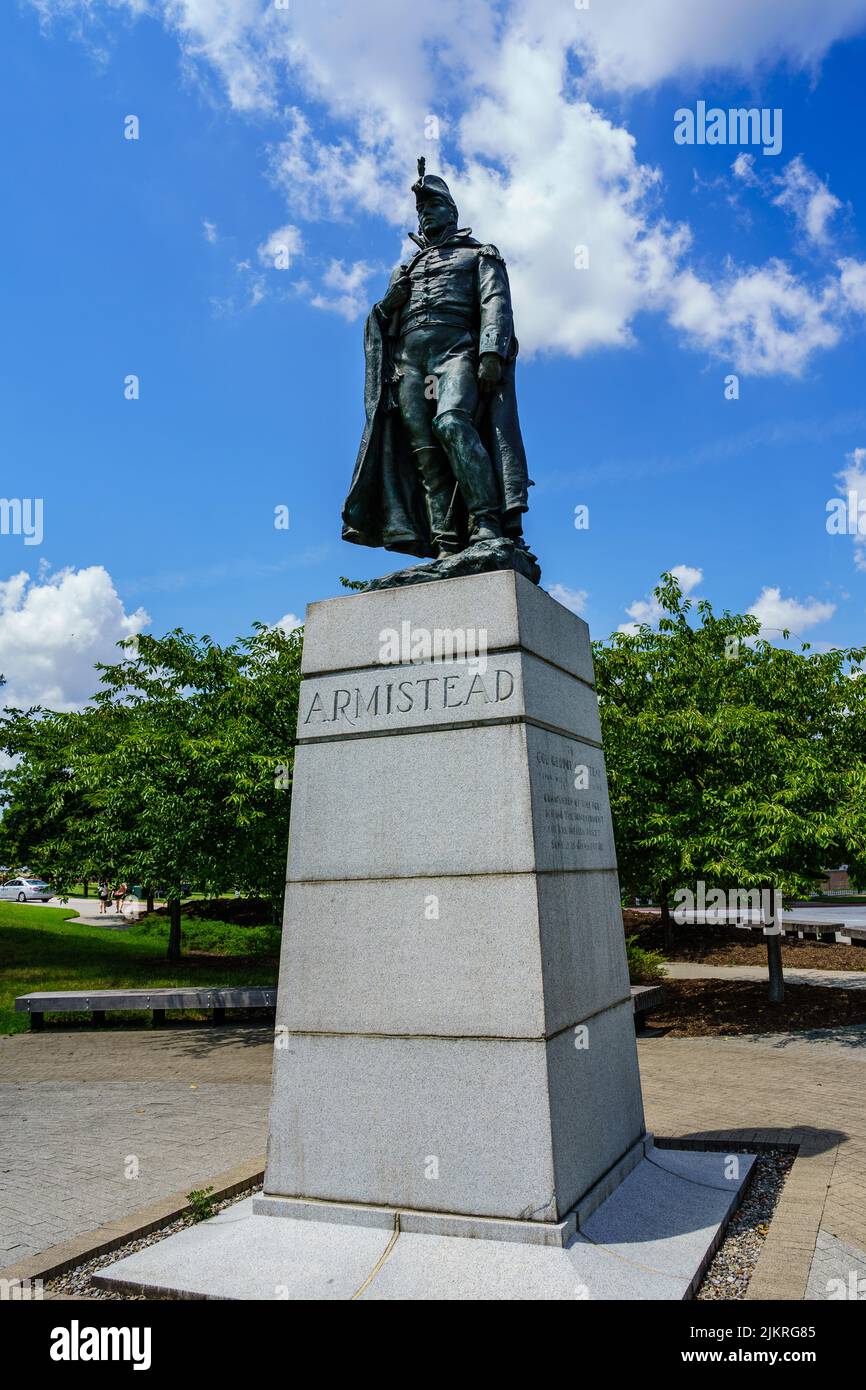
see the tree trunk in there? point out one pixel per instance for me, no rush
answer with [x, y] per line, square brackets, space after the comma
[774, 958]
[149, 892]
[777, 974]
[174, 930]
[667, 922]
[84, 885]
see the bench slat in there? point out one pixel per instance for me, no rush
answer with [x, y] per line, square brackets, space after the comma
[87, 1001]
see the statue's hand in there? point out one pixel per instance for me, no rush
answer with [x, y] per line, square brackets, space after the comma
[397, 294]
[490, 369]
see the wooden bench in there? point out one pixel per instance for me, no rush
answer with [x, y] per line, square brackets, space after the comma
[98, 1002]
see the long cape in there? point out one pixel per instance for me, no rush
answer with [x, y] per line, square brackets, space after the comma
[385, 504]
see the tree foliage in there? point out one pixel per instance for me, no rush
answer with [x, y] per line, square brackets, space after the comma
[177, 772]
[730, 760]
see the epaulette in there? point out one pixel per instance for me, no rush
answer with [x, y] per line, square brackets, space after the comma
[493, 251]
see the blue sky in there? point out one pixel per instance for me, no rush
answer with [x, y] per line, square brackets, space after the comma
[151, 257]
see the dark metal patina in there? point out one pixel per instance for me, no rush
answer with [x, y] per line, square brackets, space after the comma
[441, 470]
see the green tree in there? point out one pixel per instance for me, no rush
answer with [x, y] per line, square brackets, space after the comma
[730, 760]
[47, 816]
[178, 771]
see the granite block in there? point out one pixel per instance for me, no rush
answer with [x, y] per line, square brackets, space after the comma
[342, 634]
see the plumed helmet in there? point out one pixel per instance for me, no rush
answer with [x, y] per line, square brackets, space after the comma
[429, 186]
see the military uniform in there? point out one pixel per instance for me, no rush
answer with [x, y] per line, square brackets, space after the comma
[459, 307]
[441, 461]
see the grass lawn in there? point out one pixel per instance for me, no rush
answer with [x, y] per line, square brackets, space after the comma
[44, 948]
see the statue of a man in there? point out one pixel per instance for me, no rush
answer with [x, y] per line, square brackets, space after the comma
[441, 464]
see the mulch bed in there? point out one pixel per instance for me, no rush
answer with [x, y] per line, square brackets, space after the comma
[736, 946]
[733, 1008]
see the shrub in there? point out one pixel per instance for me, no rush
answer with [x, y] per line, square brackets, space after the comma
[644, 967]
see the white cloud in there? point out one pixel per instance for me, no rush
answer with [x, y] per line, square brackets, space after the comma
[575, 599]
[337, 180]
[852, 284]
[337, 47]
[789, 614]
[763, 319]
[537, 165]
[803, 194]
[743, 168]
[209, 229]
[636, 44]
[281, 247]
[775, 612]
[688, 576]
[808, 199]
[289, 622]
[542, 173]
[252, 289]
[52, 631]
[649, 610]
[767, 319]
[350, 297]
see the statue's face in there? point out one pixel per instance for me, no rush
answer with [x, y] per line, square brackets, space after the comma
[435, 217]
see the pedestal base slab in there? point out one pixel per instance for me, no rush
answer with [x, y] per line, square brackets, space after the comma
[652, 1238]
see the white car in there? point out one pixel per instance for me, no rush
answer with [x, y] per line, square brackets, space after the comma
[26, 890]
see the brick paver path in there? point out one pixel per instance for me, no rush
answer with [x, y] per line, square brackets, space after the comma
[190, 1102]
[779, 1090]
[80, 1111]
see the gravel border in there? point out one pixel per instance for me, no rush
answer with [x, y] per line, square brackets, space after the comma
[733, 1264]
[78, 1282]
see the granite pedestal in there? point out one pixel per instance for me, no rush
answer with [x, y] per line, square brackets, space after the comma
[454, 1055]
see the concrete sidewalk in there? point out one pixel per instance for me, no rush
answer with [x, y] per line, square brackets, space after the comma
[810, 1093]
[98, 1125]
[830, 979]
[189, 1102]
[87, 910]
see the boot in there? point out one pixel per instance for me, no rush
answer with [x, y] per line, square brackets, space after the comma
[439, 485]
[512, 524]
[472, 468]
[487, 527]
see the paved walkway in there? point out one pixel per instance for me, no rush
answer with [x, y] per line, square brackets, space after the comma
[187, 1103]
[778, 1090]
[831, 979]
[97, 1125]
[825, 915]
[850, 915]
[88, 911]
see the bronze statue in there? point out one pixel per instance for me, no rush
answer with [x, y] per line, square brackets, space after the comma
[441, 470]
